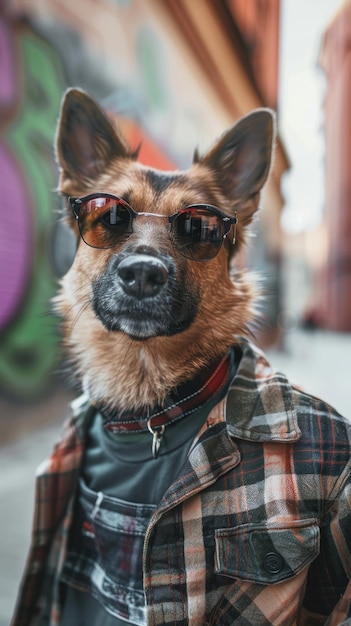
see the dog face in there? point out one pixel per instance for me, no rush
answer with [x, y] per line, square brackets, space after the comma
[150, 297]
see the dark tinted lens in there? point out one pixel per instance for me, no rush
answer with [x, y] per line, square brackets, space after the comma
[198, 233]
[103, 222]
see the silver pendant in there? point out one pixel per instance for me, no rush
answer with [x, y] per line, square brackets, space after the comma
[157, 435]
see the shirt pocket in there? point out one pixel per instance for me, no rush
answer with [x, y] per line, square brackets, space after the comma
[266, 553]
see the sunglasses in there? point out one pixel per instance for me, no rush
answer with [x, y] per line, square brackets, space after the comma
[197, 231]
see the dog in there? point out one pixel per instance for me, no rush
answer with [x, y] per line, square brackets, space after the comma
[162, 338]
[226, 503]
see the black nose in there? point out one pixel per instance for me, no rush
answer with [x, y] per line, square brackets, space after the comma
[142, 276]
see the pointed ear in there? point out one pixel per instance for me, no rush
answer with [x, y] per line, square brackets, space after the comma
[241, 160]
[86, 140]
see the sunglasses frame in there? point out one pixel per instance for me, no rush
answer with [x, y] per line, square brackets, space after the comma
[76, 203]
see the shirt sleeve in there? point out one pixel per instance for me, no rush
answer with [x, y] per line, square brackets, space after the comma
[328, 590]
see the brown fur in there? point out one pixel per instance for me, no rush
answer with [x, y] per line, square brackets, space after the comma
[121, 371]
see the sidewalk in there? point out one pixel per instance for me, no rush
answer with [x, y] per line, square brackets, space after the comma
[18, 462]
[318, 361]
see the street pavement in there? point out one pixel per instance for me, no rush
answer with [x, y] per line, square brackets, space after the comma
[318, 361]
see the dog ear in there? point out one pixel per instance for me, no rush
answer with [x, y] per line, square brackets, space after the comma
[86, 140]
[241, 160]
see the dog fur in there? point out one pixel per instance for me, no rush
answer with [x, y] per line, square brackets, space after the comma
[131, 352]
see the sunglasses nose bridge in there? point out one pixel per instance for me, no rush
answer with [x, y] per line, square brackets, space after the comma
[150, 229]
[142, 219]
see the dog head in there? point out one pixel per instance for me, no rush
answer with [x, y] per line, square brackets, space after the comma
[150, 297]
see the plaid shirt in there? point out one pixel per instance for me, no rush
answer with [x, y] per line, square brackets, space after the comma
[256, 529]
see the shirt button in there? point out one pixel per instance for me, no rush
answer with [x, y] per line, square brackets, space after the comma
[273, 563]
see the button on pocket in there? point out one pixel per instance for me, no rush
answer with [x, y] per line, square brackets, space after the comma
[266, 553]
[273, 563]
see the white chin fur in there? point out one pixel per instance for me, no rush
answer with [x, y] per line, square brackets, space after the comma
[132, 329]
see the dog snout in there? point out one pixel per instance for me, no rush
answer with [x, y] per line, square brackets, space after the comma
[142, 276]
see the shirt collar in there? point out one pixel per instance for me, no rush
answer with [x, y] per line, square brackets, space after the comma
[259, 405]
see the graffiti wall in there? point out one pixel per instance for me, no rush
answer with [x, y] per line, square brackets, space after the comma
[126, 55]
[30, 96]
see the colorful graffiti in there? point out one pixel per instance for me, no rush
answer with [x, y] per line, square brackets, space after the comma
[30, 98]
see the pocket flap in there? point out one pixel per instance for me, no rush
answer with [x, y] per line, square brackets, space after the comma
[266, 553]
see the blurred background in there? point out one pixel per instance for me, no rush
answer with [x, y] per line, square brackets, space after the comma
[174, 74]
